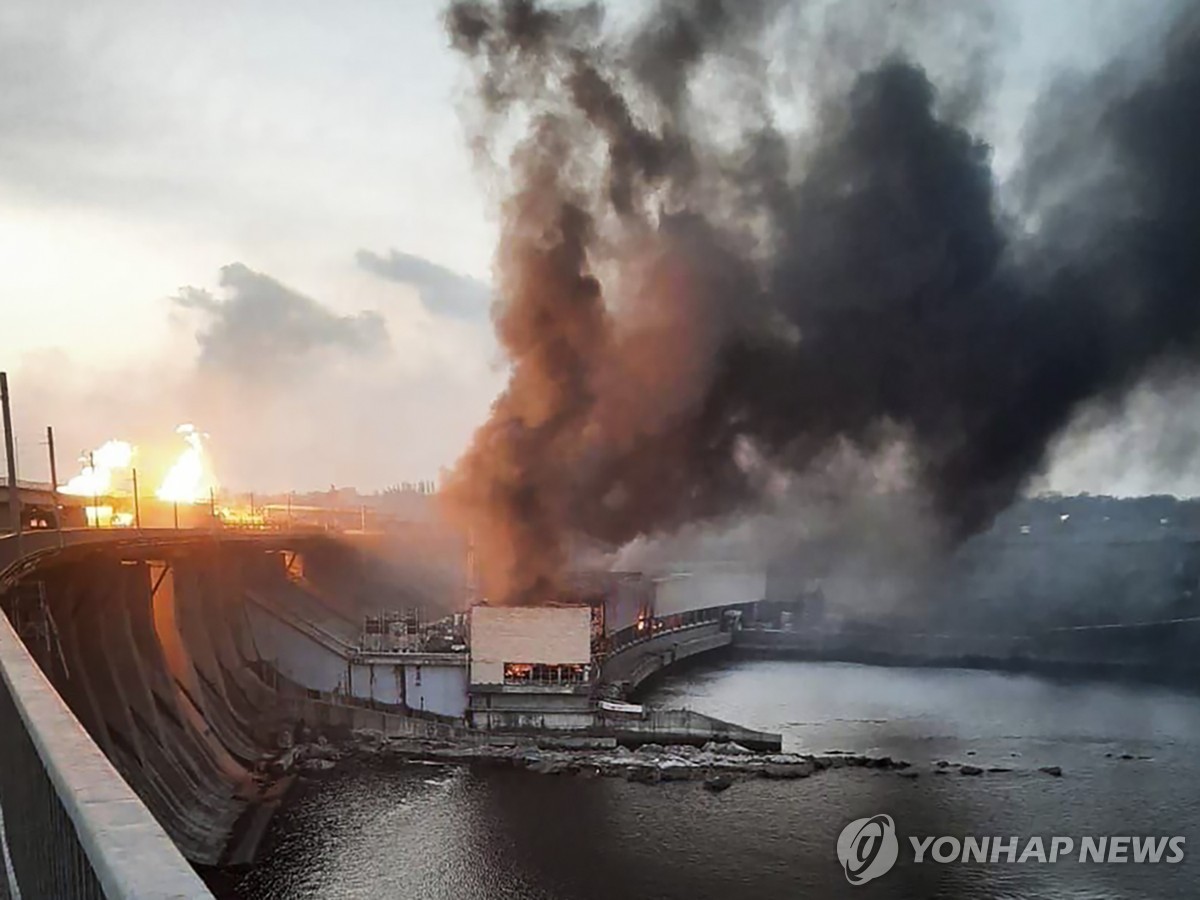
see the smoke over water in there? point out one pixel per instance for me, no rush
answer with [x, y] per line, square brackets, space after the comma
[716, 269]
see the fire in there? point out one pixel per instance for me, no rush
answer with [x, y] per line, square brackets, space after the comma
[241, 517]
[96, 478]
[189, 479]
[109, 475]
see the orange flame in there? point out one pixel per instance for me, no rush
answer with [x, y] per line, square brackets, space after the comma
[189, 480]
[96, 478]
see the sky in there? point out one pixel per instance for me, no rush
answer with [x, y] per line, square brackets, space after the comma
[263, 217]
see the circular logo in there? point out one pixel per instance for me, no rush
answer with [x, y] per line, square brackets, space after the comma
[867, 848]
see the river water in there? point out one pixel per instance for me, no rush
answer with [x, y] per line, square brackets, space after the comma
[422, 831]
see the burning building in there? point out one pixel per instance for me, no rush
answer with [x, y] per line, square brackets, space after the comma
[531, 667]
[540, 667]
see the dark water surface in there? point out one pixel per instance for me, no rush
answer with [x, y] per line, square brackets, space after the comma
[416, 831]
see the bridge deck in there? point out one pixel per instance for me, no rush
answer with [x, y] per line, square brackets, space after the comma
[18, 554]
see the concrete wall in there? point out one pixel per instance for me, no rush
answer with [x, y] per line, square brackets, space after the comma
[149, 663]
[378, 682]
[527, 634]
[337, 717]
[435, 688]
[515, 710]
[700, 589]
[172, 665]
[297, 656]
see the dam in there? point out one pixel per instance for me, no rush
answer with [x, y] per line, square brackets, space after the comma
[155, 680]
[171, 670]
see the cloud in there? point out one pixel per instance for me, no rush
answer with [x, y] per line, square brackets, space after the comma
[263, 327]
[442, 291]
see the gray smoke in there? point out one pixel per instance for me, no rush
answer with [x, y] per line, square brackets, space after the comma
[697, 291]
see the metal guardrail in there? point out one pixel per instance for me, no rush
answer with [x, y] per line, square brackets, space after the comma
[70, 827]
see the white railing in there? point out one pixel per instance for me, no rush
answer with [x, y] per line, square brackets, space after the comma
[70, 826]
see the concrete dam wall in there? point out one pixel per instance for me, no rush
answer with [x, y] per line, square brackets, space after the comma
[155, 658]
[183, 661]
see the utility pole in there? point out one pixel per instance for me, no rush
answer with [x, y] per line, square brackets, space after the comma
[54, 483]
[14, 492]
[91, 458]
[137, 507]
[175, 507]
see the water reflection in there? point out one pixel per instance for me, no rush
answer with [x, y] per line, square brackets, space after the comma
[386, 830]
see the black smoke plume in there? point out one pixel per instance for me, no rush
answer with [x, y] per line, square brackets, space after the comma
[695, 295]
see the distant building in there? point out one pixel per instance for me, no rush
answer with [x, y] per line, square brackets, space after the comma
[536, 667]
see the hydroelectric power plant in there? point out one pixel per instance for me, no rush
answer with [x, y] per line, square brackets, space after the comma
[162, 686]
[169, 677]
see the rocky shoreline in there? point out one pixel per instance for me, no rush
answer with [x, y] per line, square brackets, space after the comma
[717, 765]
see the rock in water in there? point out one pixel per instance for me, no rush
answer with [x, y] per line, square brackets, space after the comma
[1056, 771]
[675, 771]
[718, 782]
[970, 770]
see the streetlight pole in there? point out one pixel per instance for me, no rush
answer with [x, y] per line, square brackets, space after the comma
[91, 458]
[14, 492]
[137, 507]
[54, 483]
